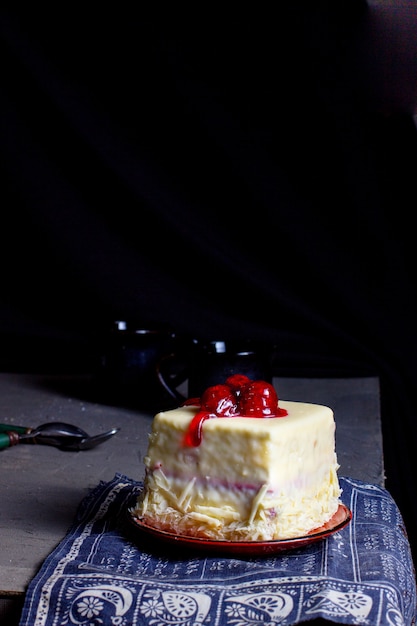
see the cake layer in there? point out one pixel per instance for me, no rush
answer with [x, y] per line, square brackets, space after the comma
[249, 479]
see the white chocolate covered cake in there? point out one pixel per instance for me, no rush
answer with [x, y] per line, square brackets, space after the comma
[234, 465]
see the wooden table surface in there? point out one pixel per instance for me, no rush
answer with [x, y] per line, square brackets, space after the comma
[41, 486]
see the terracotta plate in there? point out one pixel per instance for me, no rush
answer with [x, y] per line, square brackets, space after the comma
[241, 548]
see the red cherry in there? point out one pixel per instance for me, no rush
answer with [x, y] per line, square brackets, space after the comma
[236, 382]
[258, 399]
[219, 399]
[216, 401]
[239, 396]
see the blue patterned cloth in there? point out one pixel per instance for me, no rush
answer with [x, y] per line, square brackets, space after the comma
[101, 575]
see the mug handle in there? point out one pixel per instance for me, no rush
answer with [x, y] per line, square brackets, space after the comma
[169, 380]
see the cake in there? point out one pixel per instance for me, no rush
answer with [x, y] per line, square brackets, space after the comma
[239, 465]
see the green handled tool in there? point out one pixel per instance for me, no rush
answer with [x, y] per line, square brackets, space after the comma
[6, 428]
[9, 434]
[58, 434]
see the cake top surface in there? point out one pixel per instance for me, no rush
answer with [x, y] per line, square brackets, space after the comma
[250, 405]
[296, 412]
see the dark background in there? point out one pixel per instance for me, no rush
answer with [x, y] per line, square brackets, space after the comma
[228, 177]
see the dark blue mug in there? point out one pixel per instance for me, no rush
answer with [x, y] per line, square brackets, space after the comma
[212, 362]
[155, 369]
[131, 361]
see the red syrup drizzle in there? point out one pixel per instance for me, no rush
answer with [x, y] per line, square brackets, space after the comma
[239, 396]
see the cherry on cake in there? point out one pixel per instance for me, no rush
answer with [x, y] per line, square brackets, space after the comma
[238, 464]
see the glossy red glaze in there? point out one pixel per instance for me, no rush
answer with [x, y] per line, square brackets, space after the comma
[238, 397]
[193, 435]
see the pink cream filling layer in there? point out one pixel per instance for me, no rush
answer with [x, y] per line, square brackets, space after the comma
[233, 486]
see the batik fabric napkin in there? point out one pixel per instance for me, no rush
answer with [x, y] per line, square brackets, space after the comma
[106, 572]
